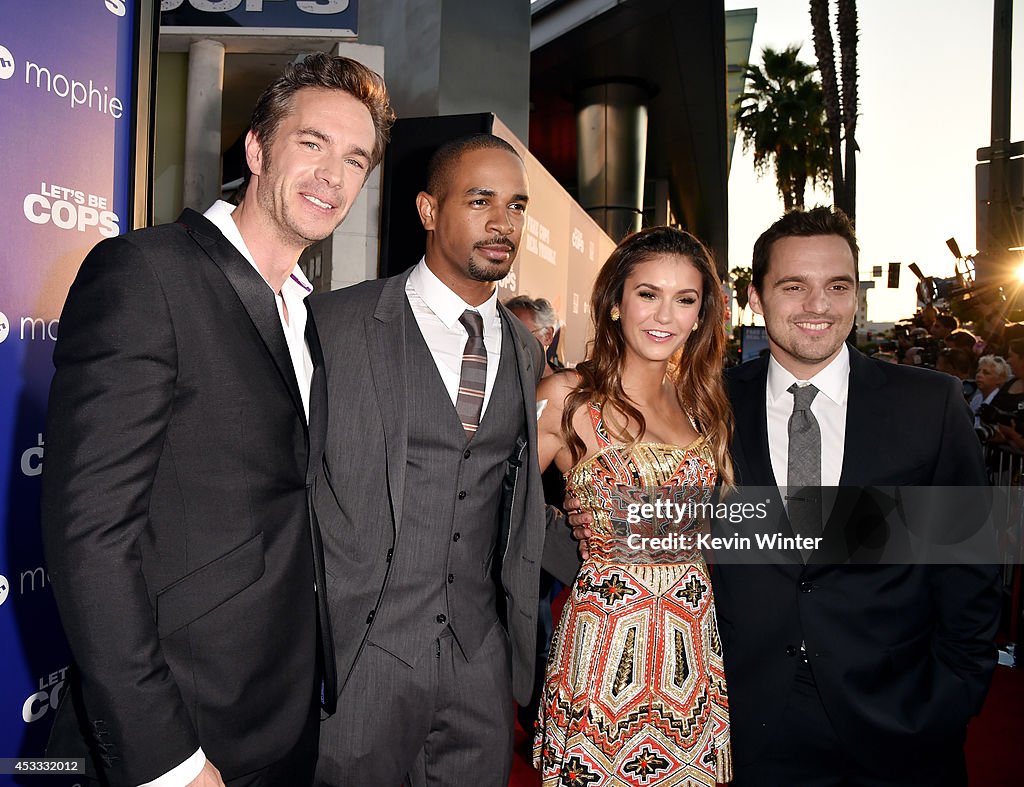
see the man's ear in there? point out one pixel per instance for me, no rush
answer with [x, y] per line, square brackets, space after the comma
[253, 153]
[426, 206]
[754, 300]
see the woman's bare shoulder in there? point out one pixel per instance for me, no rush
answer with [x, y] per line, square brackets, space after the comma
[556, 387]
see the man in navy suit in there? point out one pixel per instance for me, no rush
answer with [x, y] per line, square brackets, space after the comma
[844, 674]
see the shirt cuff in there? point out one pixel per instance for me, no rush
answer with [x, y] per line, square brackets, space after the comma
[182, 774]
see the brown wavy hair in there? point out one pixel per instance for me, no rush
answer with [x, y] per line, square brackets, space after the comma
[327, 72]
[696, 371]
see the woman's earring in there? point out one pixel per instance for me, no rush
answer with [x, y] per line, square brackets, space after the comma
[615, 313]
[696, 325]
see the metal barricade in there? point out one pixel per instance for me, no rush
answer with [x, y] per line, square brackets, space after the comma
[1006, 472]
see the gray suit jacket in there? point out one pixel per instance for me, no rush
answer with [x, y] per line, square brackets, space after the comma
[360, 508]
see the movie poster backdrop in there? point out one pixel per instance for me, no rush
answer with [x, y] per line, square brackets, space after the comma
[71, 88]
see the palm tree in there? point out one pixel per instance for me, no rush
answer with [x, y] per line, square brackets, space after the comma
[782, 117]
[741, 278]
[840, 109]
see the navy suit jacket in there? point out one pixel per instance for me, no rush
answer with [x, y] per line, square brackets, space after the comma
[902, 654]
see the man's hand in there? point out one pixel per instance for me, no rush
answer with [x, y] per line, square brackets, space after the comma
[580, 522]
[209, 776]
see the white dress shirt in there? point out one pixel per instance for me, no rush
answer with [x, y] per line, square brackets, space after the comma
[292, 296]
[437, 310]
[828, 407]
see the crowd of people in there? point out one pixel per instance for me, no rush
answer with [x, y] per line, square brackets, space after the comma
[986, 354]
[297, 546]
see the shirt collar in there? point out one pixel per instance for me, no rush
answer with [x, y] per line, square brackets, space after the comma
[219, 214]
[445, 304]
[833, 381]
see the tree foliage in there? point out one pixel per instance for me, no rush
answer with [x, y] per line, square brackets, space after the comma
[741, 278]
[782, 116]
[840, 107]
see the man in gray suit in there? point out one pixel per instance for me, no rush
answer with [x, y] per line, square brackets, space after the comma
[433, 514]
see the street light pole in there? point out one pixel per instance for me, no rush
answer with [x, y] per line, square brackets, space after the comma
[997, 231]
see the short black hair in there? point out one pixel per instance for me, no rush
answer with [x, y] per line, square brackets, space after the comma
[442, 163]
[799, 223]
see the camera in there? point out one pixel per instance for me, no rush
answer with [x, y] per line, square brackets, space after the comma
[991, 418]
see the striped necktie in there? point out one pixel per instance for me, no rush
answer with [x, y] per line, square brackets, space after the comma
[473, 382]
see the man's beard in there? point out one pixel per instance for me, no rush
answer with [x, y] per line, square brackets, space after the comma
[493, 271]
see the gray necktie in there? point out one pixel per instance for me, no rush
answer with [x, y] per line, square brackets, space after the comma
[472, 384]
[803, 481]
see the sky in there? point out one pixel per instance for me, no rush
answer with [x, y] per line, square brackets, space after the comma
[925, 108]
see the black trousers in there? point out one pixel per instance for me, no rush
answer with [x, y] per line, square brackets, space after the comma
[805, 751]
[296, 768]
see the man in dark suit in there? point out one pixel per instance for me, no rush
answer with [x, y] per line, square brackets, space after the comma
[184, 440]
[846, 674]
[433, 512]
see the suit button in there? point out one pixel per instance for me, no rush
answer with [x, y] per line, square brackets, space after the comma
[451, 578]
[369, 618]
[456, 537]
[462, 495]
[792, 650]
[467, 454]
[806, 587]
[391, 554]
[441, 619]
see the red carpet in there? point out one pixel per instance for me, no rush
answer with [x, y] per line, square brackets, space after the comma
[995, 740]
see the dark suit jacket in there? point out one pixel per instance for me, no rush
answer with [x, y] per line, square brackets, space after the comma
[361, 506]
[902, 654]
[175, 510]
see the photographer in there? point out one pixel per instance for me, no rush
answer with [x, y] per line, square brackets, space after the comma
[960, 364]
[993, 372]
[964, 340]
[924, 352]
[1002, 420]
[943, 326]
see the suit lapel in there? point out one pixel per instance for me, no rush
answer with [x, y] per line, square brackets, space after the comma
[747, 390]
[385, 340]
[527, 373]
[867, 416]
[253, 292]
[317, 395]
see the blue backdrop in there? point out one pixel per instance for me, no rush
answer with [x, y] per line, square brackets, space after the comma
[68, 80]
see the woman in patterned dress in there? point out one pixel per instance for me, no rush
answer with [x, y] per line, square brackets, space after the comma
[634, 692]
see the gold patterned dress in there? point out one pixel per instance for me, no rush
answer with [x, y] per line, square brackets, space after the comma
[635, 688]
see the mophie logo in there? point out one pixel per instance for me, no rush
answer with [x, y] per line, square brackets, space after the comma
[116, 7]
[6, 63]
[5, 327]
[78, 94]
